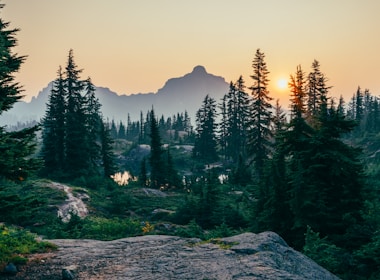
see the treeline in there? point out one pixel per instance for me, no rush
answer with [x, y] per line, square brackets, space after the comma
[177, 128]
[302, 172]
[75, 139]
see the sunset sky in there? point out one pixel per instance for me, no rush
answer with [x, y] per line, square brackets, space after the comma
[134, 46]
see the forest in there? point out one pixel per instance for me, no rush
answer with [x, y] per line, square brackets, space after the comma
[309, 173]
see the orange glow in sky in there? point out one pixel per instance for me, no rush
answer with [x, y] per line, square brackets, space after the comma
[134, 46]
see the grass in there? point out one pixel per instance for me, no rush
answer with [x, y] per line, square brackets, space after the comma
[16, 243]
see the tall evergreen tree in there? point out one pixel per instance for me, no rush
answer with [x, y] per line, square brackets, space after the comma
[16, 148]
[316, 90]
[53, 135]
[113, 129]
[143, 178]
[172, 177]
[77, 150]
[236, 120]
[108, 158]
[223, 127]
[93, 123]
[359, 106]
[121, 134]
[205, 141]
[275, 214]
[157, 173]
[261, 114]
[297, 143]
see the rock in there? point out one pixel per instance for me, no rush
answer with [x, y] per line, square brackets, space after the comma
[11, 269]
[74, 204]
[154, 192]
[68, 273]
[245, 256]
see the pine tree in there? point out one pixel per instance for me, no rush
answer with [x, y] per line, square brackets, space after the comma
[108, 158]
[141, 128]
[143, 178]
[121, 134]
[16, 148]
[316, 89]
[334, 201]
[261, 115]
[236, 120]
[172, 177]
[242, 117]
[223, 127]
[93, 124]
[297, 143]
[113, 129]
[329, 204]
[77, 150]
[359, 106]
[53, 123]
[157, 173]
[205, 141]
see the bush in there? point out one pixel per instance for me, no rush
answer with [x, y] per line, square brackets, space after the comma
[192, 230]
[322, 251]
[109, 229]
[24, 203]
[16, 243]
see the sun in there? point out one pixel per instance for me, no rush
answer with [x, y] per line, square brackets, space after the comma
[282, 83]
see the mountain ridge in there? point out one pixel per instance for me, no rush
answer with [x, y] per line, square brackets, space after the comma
[178, 94]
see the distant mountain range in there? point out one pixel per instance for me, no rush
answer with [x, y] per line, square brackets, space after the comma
[176, 96]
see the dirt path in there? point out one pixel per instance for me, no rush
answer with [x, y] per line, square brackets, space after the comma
[73, 204]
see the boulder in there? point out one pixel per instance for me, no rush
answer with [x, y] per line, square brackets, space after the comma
[10, 269]
[245, 256]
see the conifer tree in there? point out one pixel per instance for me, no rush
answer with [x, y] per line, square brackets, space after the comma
[273, 211]
[242, 109]
[236, 120]
[205, 141]
[172, 177]
[316, 89]
[93, 124]
[143, 178]
[261, 114]
[223, 127]
[77, 150]
[297, 143]
[122, 133]
[16, 148]
[53, 134]
[108, 158]
[113, 130]
[157, 173]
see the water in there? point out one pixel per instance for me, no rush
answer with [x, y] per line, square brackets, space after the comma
[123, 178]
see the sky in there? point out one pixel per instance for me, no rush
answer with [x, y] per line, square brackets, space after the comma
[135, 46]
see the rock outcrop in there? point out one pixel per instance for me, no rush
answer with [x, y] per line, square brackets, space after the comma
[73, 203]
[245, 256]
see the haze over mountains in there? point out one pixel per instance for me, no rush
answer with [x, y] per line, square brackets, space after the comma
[176, 96]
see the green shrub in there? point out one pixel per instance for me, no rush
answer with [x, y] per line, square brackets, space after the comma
[109, 229]
[16, 243]
[222, 230]
[25, 203]
[192, 230]
[322, 251]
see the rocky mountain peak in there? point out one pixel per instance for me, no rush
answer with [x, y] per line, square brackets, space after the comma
[178, 95]
[199, 70]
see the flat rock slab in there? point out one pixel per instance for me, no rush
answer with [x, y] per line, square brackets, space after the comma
[245, 256]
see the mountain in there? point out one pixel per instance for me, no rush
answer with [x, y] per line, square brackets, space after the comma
[177, 95]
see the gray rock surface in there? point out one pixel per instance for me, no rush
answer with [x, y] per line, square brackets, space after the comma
[245, 256]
